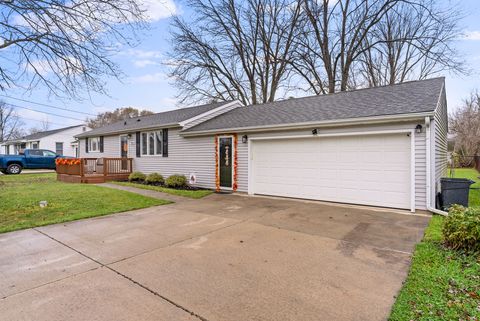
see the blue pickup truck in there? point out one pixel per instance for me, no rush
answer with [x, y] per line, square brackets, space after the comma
[29, 159]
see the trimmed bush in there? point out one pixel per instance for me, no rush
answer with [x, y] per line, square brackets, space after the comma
[461, 229]
[176, 181]
[155, 179]
[137, 177]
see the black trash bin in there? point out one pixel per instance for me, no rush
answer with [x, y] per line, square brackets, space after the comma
[455, 191]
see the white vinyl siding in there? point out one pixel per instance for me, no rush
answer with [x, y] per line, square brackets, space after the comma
[67, 137]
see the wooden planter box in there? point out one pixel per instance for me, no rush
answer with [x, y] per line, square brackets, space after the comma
[68, 169]
[61, 169]
[73, 169]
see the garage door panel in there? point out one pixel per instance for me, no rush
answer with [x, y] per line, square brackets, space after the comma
[371, 169]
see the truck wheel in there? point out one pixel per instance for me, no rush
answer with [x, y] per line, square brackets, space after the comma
[14, 169]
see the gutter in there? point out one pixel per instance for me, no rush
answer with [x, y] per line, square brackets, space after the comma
[126, 131]
[327, 123]
[428, 131]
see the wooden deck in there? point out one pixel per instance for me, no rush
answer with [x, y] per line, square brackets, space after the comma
[96, 170]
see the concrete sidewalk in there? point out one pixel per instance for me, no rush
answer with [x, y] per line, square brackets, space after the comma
[147, 192]
[224, 257]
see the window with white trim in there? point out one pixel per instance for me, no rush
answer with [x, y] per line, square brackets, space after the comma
[151, 143]
[59, 148]
[94, 144]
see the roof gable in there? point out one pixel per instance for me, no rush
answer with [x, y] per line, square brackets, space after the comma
[40, 135]
[163, 119]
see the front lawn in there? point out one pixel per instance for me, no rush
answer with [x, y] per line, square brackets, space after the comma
[185, 193]
[441, 285]
[470, 173]
[20, 196]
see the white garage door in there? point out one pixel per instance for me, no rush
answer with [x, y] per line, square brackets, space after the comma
[369, 169]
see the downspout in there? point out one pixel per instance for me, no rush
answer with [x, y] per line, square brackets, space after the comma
[429, 169]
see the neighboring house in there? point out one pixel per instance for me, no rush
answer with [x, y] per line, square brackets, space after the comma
[61, 141]
[384, 146]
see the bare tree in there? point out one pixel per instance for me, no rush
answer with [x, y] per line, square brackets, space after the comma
[358, 43]
[465, 125]
[43, 127]
[335, 39]
[10, 123]
[118, 114]
[235, 50]
[64, 45]
[411, 42]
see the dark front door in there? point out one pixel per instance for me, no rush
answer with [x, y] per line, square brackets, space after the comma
[124, 151]
[225, 161]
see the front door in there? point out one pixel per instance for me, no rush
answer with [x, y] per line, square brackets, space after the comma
[225, 161]
[124, 151]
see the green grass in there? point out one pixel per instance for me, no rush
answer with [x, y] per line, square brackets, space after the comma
[441, 285]
[470, 173]
[20, 196]
[185, 193]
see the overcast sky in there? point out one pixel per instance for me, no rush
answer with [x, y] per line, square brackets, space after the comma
[146, 85]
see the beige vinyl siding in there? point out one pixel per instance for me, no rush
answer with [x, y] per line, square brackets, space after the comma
[420, 153]
[421, 169]
[111, 148]
[220, 111]
[440, 143]
[186, 156]
[242, 167]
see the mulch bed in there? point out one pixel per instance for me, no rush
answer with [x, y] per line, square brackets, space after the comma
[185, 188]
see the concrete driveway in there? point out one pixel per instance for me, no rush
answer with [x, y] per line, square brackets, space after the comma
[225, 257]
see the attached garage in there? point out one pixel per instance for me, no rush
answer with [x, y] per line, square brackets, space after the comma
[383, 146]
[374, 169]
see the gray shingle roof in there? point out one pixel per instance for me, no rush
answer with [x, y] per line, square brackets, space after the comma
[409, 97]
[172, 117]
[43, 134]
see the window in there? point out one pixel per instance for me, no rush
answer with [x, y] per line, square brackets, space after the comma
[48, 153]
[59, 148]
[34, 145]
[144, 144]
[36, 152]
[151, 143]
[94, 144]
[158, 141]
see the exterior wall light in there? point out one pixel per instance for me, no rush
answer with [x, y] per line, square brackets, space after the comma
[244, 139]
[314, 131]
[129, 136]
[418, 129]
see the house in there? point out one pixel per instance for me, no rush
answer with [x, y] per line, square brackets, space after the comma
[383, 146]
[62, 141]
